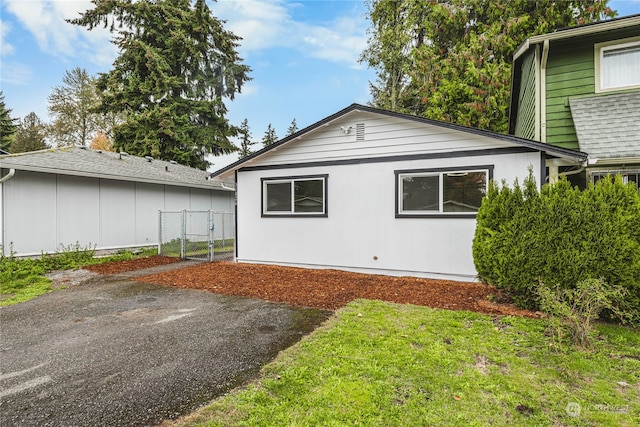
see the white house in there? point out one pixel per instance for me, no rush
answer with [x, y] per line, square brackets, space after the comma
[374, 191]
[54, 198]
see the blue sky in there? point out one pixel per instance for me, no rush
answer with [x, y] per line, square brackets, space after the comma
[303, 55]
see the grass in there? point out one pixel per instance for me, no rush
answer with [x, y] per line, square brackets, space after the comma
[382, 364]
[22, 279]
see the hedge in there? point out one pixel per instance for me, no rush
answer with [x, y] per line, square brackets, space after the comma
[559, 235]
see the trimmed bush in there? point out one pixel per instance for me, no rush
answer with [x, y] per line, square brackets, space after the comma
[559, 235]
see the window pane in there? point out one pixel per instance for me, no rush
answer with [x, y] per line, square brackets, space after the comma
[309, 196]
[463, 191]
[420, 193]
[278, 197]
[620, 67]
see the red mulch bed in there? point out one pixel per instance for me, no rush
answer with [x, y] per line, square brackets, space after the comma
[116, 267]
[324, 289]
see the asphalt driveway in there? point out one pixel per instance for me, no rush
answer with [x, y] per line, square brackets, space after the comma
[112, 351]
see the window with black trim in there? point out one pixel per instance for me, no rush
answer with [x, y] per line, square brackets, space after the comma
[295, 196]
[441, 192]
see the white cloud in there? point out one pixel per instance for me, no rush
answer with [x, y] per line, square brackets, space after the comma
[248, 89]
[6, 48]
[15, 73]
[264, 24]
[45, 20]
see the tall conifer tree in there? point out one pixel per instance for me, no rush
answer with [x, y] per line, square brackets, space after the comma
[245, 139]
[269, 136]
[8, 126]
[176, 65]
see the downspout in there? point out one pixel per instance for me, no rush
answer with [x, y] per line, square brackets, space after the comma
[8, 176]
[543, 91]
[553, 168]
[4, 179]
[537, 73]
[577, 171]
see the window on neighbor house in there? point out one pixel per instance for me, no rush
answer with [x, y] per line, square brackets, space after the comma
[295, 196]
[627, 176]
[618, 65]
[433, 192]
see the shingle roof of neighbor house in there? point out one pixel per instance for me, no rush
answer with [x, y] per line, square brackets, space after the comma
[81, 161]
[527, 143]
[608, 127]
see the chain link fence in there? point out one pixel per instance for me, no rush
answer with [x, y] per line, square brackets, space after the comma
[202, 235]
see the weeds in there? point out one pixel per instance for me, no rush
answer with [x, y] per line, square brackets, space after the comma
[573, 311]
[22, 279]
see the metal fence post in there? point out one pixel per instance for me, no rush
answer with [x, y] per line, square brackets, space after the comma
[159, 232]
[183, 235]
[211, 243]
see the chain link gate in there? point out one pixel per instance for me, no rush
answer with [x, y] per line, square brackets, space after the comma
[200, 235]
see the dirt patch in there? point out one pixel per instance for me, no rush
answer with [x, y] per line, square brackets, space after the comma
[326, 289]
[131, 264]
[67, 278]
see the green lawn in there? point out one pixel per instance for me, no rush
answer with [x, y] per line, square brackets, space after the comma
[382, 364]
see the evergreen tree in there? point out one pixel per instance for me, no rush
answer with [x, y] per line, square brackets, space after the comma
[245, 139]
[293, 128]
[176, 66]
[269, 136]
[451, 60]
[72, 109]
[8, 126]
[30, 136]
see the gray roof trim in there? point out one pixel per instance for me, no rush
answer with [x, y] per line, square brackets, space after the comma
[527, 143]
[81, 161]
[391, 159]
[578, 31]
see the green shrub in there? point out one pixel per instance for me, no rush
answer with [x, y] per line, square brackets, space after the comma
[559, 235]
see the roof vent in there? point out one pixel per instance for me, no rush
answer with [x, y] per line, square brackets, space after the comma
[173, 162]
[166, 168]
[360, 132]
[122, 153]
[149, 158]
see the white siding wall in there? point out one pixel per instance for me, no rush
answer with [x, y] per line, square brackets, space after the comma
[43, 212]
[329, 142]
[361, 222]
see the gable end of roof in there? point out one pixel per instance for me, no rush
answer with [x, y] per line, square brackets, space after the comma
[551, 151]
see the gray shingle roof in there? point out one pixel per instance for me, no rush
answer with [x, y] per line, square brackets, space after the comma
[608, 126]
[80, 161]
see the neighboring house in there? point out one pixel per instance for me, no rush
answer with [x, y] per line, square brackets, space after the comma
[579, 88]
[370, 190]
[55, 198]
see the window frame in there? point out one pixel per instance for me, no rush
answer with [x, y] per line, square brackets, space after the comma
[440, 172]
[292, 179]
[596, 175]
[599, 50]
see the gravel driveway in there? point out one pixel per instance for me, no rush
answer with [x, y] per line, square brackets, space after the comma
[111, 351]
